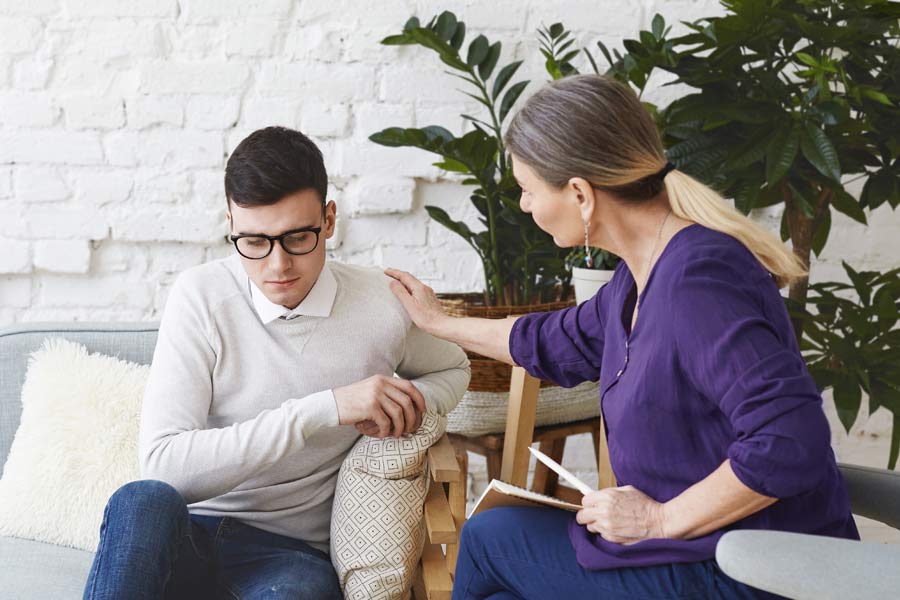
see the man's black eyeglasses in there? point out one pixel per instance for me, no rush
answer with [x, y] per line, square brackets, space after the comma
[296, 241]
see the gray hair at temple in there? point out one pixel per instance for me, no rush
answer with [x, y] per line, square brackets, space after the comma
[594, 127]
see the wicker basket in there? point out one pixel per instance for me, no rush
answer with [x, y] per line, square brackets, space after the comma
[489, 375]
[483, 407]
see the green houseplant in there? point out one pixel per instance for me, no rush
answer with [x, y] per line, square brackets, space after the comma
[852, 344]
[524, 270]
[521, 263]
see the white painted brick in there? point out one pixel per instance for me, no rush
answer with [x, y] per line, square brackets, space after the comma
[110, 256]
[324, 120]
[27, 110]
[252, 37]
[19, 34]
[175, 257]
[372, 117]
[6, 179]
[62, 256]
[38, 222]
[312, 42]
[15, 292]
[153, 187]
[147, 225]
[387, 15]
[92, 187]
[109, 291]
[419, 263]
[5, 68]
[164, 148]
[195, 42]
[93, 112]
[365, 157]
[51, 146]
[32, 73]
[259, 112]
[76, 9]
[15, 256]
[106, 40]
[40, 184]
[74, 73]
[622, 17]
[449, 116]
[149, 109]
[380, 194]
[401, 84]
[215, 10]
[364, 233]
[334, 83]
[194, 77]
[212, 112]
[365, 46]
[32, 8]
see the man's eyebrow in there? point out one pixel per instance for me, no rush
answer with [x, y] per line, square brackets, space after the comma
[282, 233]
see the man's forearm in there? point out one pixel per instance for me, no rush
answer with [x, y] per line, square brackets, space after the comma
[718, 500]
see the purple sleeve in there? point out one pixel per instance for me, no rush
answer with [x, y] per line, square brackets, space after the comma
[735, 346]
[563, 346]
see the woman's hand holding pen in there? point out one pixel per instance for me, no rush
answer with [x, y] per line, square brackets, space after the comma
[624, 515]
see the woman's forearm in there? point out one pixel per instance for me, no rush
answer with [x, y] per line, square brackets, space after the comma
[718, 500]
[487, 337]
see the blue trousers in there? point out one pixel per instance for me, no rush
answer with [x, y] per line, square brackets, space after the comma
[151, 548]
[525, 554]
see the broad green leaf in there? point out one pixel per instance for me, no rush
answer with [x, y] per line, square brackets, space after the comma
[807, 59]
[459, 36]
[877, 96]
[510, 97]
[556, 30]
[657, 26]
[446, 25]
[819, 151]
[820, 236]
[848, 205]
[487, 67]
[478, 51]
[504, 76]
[780, 155]
[847, 398]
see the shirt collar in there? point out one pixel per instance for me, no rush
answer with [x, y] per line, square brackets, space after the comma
[318, 302]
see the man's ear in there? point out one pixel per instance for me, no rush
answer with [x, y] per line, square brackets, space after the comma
[228, 218]
[584, 195]
[330, 218]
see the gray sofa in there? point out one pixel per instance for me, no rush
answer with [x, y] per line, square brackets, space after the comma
[798, 566]
[32, 570]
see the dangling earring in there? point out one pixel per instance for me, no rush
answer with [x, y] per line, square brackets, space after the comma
[588, 259]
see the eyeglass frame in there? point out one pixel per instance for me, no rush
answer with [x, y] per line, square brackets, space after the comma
[279, 238]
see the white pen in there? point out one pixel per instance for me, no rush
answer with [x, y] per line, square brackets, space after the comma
[561, 471]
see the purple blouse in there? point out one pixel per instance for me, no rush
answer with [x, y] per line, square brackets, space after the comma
[711, 372]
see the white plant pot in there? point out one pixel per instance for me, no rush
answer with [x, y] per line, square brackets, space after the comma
[588, 281]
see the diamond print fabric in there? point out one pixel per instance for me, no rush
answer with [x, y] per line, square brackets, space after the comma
[377, 530]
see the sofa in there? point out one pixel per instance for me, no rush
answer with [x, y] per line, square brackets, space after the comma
[34, 569]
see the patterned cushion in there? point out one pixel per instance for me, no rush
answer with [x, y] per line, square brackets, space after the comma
[377, 529]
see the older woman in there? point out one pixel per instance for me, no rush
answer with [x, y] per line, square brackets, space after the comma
[713, 421]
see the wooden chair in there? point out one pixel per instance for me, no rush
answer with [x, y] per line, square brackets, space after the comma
[445, 513]
[445, 505]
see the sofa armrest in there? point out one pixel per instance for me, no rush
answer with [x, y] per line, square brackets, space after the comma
[809, 566]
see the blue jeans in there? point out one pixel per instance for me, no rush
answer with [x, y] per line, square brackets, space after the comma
[525, 553]
[151, 547]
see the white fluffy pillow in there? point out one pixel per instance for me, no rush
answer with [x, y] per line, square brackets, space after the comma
[76, 444]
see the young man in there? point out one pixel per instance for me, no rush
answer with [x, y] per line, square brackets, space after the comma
[268, 366]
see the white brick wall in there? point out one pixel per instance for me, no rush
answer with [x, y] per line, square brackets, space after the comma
[116, 117]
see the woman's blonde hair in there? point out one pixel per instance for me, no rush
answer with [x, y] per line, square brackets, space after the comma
[594, 127]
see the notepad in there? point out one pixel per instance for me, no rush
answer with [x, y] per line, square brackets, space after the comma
[500, 493]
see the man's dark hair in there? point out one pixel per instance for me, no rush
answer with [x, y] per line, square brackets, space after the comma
[272, 163]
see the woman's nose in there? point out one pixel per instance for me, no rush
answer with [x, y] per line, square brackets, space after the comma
[524, 204]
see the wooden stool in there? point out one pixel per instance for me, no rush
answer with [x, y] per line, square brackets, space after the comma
[552, 439]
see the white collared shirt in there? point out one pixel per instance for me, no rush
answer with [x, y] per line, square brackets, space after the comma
[318, 302]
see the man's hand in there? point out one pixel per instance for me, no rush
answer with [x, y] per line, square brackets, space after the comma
[623, 515]
[393, 406]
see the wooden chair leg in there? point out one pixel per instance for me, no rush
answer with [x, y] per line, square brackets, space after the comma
[523, 397]
[545, 480]
[494, 459]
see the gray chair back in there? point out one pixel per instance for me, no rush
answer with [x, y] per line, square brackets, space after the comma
[128, 341]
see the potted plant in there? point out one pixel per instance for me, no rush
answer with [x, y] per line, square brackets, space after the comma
[591, 270]
[524, 270]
